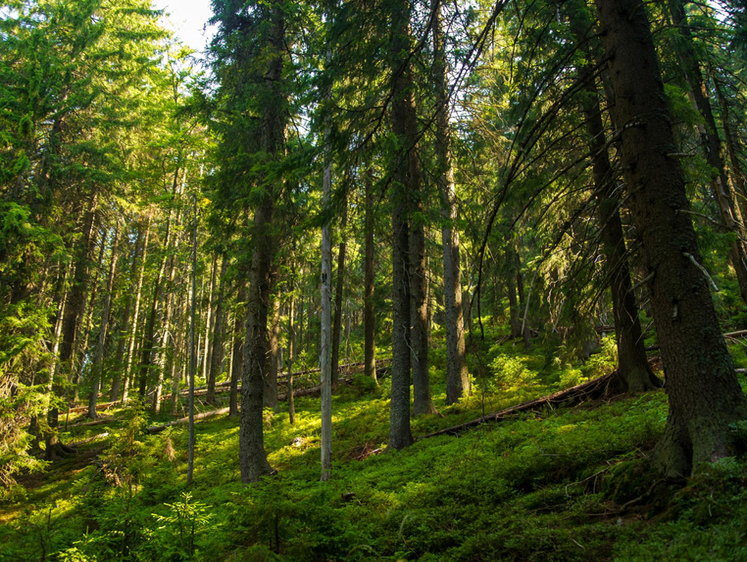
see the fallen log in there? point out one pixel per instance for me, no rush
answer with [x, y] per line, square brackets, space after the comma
[98, 421]
[201, 416]
[575, 392]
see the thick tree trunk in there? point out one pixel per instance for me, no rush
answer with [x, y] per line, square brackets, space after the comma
[339, 289]
[216, 358]
[406, 179]
[252, 458]
[98, 360]
[704, 395]
[457, 376]
[369, 320]
[634, 372]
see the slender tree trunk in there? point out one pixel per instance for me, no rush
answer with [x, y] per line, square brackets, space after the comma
[210, 321]
[216, 359]
[369, 320]
[730, 213]
[98, 359]
[704, 395]
[513, 303]
[273, 358]
[457, 376]
[84, 329]
[238, 346]
[291, 338]
[737, 172]
[337, 322]
[192, 350]
[138, 273]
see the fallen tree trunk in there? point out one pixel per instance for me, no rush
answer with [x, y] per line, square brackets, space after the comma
[202, 416]
[585, 390]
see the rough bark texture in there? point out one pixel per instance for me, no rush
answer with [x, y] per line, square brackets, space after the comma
[634, 373]
[457, 376]
[704, 395]
[369, 320]
[252, 458]
[407, 172]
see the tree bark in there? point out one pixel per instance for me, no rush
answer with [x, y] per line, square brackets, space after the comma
[337, 322]
[216, 358]
[704, 395]
[238, 345]
[634, 372]
[457, 375]
[273, 357]
[369, 320]
[406, 176]
[252, 457]
[98, 359]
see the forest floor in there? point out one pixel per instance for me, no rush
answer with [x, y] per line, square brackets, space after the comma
[568, 483]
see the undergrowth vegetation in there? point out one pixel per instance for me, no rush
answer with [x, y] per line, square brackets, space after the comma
[565, 484]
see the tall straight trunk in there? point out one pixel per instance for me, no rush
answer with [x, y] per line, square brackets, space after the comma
[98, 359]
[125, 322]
[337, 323]
[737, 172]
[704, 394]
[406, 176]
[421, 385]
[273, 358]
[138, 273]
[210, 321]
[731, 215]
[216, 359]
[84, 328]
[513, 303]
[252, 458]
[291, 343]
[369, 320]
[634, 373]
[238, 346]
[325, 344]
[192, 350]
[457, 375]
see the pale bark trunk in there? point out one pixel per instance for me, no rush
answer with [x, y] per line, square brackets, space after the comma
[216, 359]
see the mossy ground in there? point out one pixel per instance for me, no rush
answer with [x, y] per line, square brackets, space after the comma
[570, 484]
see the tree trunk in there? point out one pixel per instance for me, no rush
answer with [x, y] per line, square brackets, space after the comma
[513, 303]
[634, 372]
[730, 213]
[209, 321]
[369, 320]
[457, 376]
[704, 395]
[253, 460]
[291, 337]
[139, 273]
[406, 177]
[337, 323]
[216, 359]
[273, 358]
[98, 359]
[238, 346]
